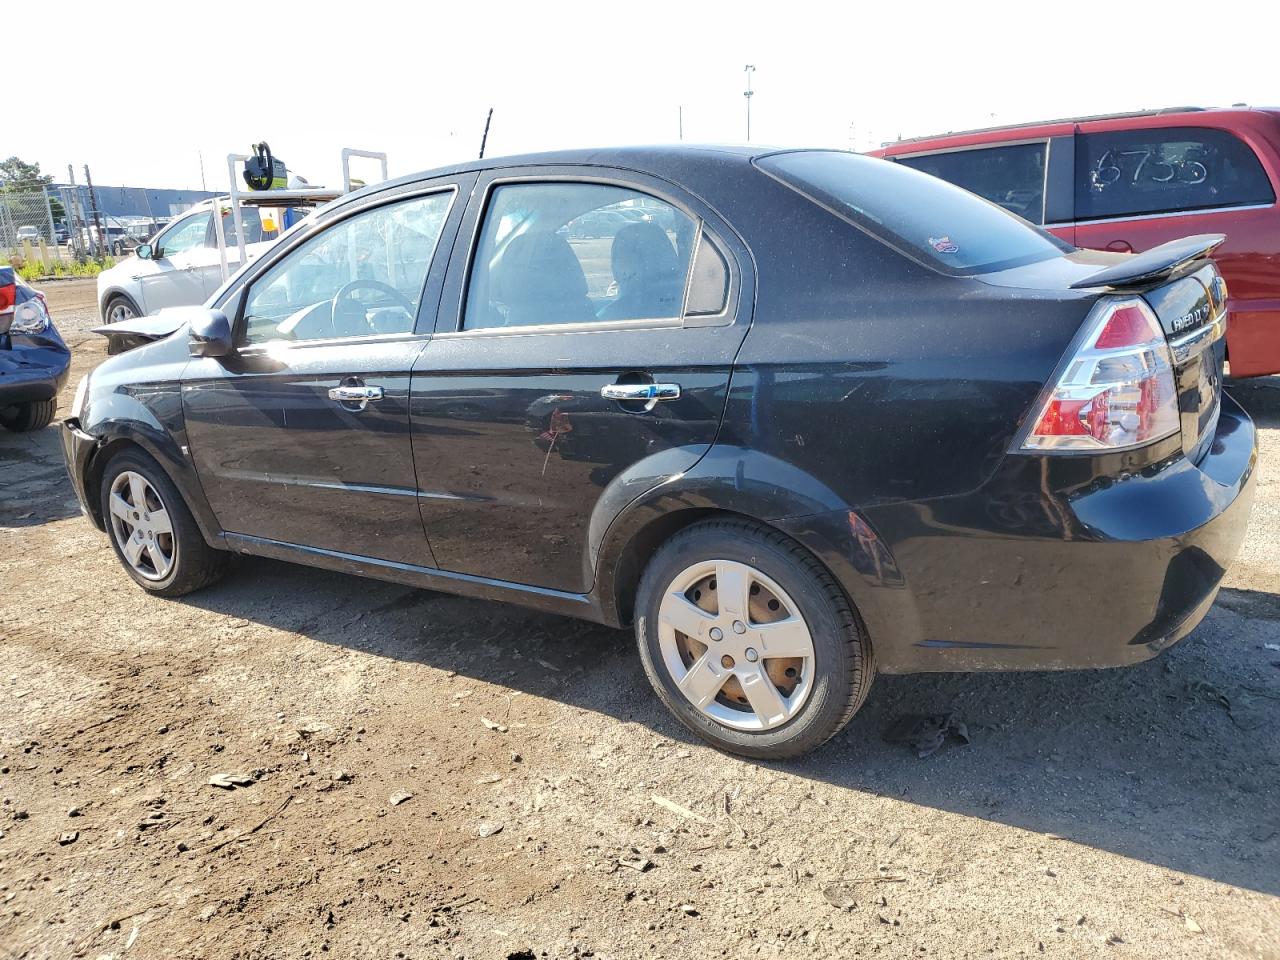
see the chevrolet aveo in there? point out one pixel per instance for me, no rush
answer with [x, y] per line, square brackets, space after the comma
[797, 416]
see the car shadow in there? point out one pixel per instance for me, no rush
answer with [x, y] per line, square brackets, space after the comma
[1166, 762]
[1260, 396]
[33, 480]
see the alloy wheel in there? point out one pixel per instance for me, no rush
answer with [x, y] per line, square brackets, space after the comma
[120, 311]
[736, 645]
[141, 526]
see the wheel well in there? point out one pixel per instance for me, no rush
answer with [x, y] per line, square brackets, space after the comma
[113, 294]
[646, 542]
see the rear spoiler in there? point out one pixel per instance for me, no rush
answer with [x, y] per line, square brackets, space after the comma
[1154, 264]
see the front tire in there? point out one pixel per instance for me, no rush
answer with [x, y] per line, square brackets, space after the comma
[120, 308]
[154, 536]
[749, 641]
[34, 415]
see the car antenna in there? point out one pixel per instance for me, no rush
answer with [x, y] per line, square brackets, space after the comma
[485, 139]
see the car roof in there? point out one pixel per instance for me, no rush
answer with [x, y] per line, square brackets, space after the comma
[661, 160]
[1190, 115]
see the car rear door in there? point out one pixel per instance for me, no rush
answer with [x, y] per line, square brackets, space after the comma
[570, 368]
[302, 436]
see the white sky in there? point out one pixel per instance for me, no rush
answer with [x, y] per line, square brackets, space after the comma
[416, 79]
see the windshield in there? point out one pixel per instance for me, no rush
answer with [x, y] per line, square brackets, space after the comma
[934, 222]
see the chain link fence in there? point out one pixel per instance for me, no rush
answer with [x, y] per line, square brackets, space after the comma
[25, 216]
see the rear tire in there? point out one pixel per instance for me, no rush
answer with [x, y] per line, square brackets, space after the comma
[152, 531]
[774, 683]
[34, 415]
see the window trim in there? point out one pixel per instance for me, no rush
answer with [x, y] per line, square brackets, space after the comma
[245, 290]
[1197, 212]
[975, 147]
[1159, 132]
[724, 318]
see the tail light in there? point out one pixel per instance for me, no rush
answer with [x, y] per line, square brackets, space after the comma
[8, 289]
[1117, 390]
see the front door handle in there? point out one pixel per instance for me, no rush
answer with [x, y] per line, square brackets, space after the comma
[1120, 246]
[357, 394]
[648, 393]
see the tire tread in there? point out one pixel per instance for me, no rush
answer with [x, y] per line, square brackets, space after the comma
[32, 415]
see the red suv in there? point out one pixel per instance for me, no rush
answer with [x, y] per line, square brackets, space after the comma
[1133, 181]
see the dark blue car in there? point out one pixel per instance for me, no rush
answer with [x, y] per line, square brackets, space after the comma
[797, 417]
[33, 359]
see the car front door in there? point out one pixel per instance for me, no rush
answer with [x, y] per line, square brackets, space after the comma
[301, 436]
[177, 277]
[568, 367]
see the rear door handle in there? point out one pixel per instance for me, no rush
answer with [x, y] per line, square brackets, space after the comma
[351, 393]
[1120, 246]
[650, 393]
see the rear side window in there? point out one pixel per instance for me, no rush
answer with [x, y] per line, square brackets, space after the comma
[1011, 176]
[928, 219]
[566, 253]
[1134, 172]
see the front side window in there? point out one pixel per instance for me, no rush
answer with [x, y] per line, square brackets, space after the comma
[926, 218]
[362, 276]
[1012, 176]
[185, 235]
[564, 253]
[1134, 172]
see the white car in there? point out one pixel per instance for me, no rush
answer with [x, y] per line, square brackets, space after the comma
[181, 266]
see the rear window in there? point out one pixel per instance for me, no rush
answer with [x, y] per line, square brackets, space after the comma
[1165, 170]
[928, 219]
[1011, 176]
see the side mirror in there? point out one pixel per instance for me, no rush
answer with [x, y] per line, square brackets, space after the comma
[211, 334]
[143, 251]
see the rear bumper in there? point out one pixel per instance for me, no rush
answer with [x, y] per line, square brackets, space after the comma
[77, 447]
[28, 374]
[1108, 577]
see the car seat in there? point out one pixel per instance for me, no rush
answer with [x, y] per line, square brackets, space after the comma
[648, 273]
[539, 280]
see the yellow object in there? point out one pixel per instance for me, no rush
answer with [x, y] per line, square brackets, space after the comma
[268, 225]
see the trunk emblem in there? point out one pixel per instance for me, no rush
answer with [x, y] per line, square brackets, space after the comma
[1192, 319]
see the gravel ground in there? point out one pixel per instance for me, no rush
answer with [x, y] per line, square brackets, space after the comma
[548, 807]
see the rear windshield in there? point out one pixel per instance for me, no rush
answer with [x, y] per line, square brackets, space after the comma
[928, 219]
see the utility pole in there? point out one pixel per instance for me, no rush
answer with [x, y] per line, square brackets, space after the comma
[97, 217]
[485, 139]
[48, 212]
[682, 123]
[203, 187]
[76, 214]
[749, 69]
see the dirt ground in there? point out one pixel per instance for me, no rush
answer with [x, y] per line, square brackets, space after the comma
[550, 807]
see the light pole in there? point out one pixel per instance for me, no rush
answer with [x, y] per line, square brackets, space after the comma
[749, 69]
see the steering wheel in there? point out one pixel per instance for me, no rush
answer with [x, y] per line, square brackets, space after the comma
[348, 312]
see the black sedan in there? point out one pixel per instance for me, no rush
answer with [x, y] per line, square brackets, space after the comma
[824, 415]
[33, 359]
